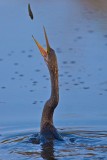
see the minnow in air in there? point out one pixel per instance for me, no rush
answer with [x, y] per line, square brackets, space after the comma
[30, 12]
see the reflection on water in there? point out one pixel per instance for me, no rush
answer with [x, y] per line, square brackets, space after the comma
[77, 144]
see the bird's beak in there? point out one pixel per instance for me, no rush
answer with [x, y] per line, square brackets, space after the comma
[41, 49]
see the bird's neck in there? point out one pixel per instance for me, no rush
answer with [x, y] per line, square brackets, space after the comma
[51, 104]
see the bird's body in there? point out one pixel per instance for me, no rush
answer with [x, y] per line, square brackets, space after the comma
[47, 129]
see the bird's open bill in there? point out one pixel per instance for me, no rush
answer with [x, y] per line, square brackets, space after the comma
[42, 50]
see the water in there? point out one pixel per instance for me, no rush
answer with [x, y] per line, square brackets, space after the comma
[77, 144]
[77, 32]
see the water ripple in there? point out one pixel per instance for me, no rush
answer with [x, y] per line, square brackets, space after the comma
[77, 144]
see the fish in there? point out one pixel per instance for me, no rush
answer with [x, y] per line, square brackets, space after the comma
[30, 12]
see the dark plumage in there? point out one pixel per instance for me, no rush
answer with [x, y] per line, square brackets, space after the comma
[47, 129]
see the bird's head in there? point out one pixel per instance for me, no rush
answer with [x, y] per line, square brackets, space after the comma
[48, 53]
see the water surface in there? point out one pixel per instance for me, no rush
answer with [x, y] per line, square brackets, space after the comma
[77, 31]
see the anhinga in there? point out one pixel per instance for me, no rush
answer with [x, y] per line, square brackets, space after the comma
[47, 129]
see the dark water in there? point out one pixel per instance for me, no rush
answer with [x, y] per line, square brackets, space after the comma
[77, 31]
[77, 144]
